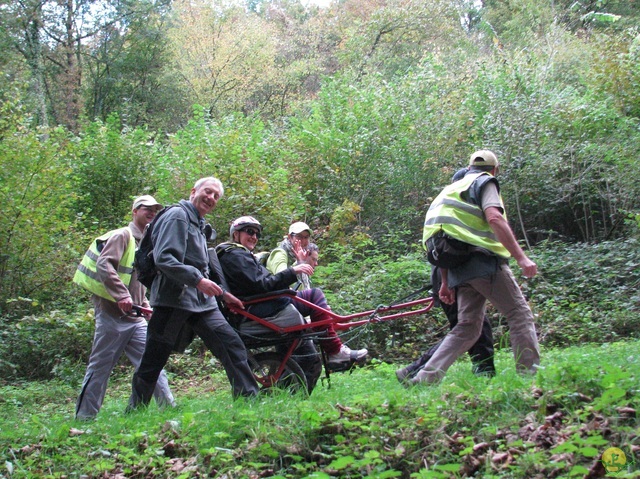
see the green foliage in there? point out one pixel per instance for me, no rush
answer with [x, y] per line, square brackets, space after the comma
[127, 73]
[364, 148]
[555, 137]
[111, 167]
[238, 152]
[518, 22]
[389, 38]
[361, 278]
[586, 292]
[36, 215]
[31, 348]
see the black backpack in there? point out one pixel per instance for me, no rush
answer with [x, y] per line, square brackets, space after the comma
[446, 252]
[143, 262]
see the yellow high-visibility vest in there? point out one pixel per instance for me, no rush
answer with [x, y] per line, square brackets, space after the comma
[452, 214]
[87, 274]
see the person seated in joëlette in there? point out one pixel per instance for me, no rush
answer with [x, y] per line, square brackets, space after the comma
[247, 277]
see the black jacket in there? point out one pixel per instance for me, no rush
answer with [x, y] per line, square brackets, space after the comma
[246, 277]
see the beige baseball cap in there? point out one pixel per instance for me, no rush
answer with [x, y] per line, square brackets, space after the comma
[146, 200]
[299, 227]
[484, 158]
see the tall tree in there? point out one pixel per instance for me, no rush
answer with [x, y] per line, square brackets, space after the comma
[126, 73]
[390, 37]
[52, 35]
[234, 60]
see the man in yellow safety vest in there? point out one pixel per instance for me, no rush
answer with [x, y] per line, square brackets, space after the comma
[471, 210]
[106, 270]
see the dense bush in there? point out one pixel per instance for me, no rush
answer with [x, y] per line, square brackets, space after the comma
[584, 293]
[587, 292]
[363, 278]
[47, 345]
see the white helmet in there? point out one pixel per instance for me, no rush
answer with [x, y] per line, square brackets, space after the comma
[242, 222]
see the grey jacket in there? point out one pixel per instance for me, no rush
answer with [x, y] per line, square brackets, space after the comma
[180, 253]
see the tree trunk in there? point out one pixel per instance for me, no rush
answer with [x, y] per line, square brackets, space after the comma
[71, 77]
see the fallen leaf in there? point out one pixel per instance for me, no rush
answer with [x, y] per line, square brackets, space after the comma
[626, 411]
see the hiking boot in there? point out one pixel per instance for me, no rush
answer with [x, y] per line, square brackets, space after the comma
[347, 354]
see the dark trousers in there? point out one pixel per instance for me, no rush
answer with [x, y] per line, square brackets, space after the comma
[216, 333]
[481, 352]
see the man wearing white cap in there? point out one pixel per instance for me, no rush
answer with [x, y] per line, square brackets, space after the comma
[293, 250]
[107, 272]
[471, 211]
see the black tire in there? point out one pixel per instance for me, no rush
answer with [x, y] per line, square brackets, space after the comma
[265, 366]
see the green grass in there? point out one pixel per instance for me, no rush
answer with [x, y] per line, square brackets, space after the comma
[556, 424]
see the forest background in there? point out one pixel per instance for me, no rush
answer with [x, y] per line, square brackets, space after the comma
[350, 117]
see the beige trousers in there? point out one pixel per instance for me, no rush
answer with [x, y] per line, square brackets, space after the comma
[502, 290]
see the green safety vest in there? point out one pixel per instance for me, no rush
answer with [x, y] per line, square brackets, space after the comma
[452, 214]
[87, 276]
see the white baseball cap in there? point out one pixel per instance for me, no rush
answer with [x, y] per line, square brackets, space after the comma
[146, 200]
[299, 227]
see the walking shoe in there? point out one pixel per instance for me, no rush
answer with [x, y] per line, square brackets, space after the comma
[347, 354]
[402, 374]
[424, 377]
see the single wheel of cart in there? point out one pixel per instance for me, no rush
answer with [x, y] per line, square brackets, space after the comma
[271, 371]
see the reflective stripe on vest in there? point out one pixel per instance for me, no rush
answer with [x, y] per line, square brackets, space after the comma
[87, 273]
[461, 220]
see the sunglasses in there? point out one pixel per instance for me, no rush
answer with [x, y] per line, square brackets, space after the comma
[251, 232]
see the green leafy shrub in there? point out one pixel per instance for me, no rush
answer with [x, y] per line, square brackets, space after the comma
[53, 344]
[363, 278]
[586, 292]
[36, 215]
[238, 150]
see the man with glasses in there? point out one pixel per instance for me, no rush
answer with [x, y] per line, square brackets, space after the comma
[107, 271]
[293, 251]
[182, 293]
[247, 277]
